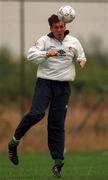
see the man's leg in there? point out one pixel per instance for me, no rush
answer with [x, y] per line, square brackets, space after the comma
[56, 123]
[40, 102]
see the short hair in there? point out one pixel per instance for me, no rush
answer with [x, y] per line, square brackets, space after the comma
[53, 19]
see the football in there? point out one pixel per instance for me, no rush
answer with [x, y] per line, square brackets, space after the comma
[66, 14]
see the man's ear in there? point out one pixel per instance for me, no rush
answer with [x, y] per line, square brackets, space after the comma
[65, 26]
[50, 29]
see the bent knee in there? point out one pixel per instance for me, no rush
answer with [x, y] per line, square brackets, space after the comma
[35, 117]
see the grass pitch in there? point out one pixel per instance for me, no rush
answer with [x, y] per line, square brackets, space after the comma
[37, 166]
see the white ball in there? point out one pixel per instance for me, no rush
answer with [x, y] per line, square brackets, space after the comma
[66, 14]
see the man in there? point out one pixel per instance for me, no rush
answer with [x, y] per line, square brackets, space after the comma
[54, 53]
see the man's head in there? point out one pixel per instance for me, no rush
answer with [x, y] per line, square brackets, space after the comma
[57, 27]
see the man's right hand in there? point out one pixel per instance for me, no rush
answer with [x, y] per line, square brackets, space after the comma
[51, 53]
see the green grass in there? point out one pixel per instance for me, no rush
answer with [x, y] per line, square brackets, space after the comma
[37, 166]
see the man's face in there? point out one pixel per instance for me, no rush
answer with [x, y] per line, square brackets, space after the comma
[58, 30]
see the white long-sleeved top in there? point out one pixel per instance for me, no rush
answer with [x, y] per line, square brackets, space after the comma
[59, 67]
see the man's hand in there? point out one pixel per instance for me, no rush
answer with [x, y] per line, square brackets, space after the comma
[81, 63]
[52, 52]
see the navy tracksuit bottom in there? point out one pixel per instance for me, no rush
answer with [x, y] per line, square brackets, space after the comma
[56, 94]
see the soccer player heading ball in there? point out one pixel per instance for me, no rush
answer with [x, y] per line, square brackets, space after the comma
[54, 53]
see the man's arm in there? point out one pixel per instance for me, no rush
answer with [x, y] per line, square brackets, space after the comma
[81, 59]
[37, 53]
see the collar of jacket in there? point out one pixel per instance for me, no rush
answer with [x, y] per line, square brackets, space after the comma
[51, 35]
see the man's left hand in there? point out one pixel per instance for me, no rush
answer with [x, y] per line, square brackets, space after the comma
[81, 63]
